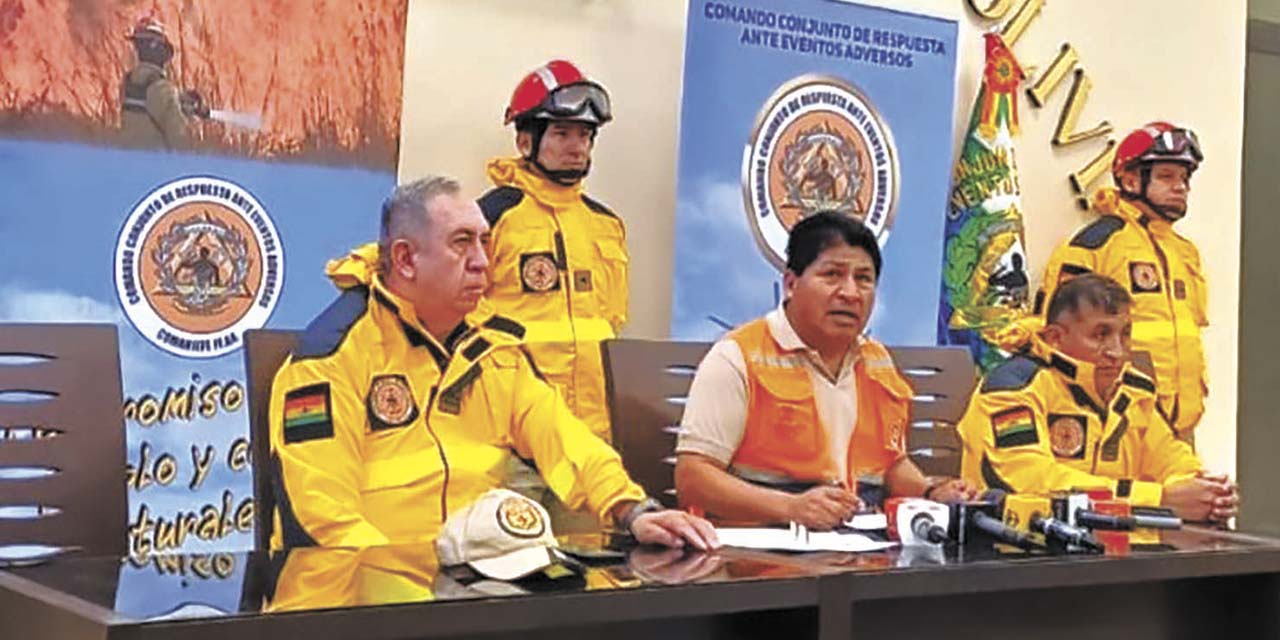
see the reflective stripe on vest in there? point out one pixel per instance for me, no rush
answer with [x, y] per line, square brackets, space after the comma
[783, 437]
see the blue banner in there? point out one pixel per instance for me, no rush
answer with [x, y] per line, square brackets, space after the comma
[185, 173]
[790, 108]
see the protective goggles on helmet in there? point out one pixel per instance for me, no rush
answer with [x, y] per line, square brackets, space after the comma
[574, 100]
[1177, 142]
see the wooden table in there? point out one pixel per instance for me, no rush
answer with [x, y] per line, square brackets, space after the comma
[1200, 583]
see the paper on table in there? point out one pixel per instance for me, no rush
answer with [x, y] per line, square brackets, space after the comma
[783, 540]
[868, 522]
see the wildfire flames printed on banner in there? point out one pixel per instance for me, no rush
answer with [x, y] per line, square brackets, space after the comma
[279, 79]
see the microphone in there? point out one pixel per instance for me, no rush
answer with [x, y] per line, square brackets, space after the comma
[981, 522]
[999, 531]
[916, 521]
[1106, 522]
[924, 528]
[1054, 529]
[1155, 517]
[1115, 515]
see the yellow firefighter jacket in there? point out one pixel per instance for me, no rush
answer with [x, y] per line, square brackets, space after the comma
[331, 578]
[1162, 272]
[378, 430]
[1035, 425]
[559, 267]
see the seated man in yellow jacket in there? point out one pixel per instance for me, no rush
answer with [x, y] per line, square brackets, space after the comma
[404, 401]
[1070, 411]
[788, 411]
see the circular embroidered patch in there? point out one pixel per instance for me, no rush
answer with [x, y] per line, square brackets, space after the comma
[391, 401]
[1145, 277]
[539, 273]
[520, 518]
[1066, 436]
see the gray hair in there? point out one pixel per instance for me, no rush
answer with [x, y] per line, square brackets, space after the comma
[404, 212]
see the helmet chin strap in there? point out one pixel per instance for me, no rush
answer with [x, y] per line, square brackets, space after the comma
[563, 177]
[1168, 213]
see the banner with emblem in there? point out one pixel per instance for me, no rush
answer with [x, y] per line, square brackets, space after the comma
[184, 170]
[984, 268]
[795, 107]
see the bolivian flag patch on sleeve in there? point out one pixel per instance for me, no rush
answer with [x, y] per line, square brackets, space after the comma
[1014, 427]
[307, 413]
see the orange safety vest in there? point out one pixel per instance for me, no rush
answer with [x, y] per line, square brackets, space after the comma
[784, 434]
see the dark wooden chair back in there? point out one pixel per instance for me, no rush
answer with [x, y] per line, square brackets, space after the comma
[62, 430]
[646, 382]
[943, 379]
[264, 351]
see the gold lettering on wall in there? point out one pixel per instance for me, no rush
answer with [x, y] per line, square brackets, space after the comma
[1066, 132]
[1065, 61]
[1018, 24]
[1081, 179]
[991, 9]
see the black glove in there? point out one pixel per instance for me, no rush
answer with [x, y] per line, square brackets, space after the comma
[193, 104]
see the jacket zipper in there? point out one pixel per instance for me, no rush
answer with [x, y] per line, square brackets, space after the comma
[1173, 316]
[444, 460]
[562, 255]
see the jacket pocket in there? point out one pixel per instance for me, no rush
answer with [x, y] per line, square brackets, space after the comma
[1198, 296]
[612, 292]
[788, 416]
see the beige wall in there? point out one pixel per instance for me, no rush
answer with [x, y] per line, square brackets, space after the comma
[1181, 60]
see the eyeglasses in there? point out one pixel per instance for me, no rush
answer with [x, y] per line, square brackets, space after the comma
[575, 99]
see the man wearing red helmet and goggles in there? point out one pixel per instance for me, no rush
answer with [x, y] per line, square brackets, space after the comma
[1134, 243]
[558, 257]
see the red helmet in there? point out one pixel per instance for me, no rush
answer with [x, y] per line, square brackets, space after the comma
[1158, 142]
[558, 90]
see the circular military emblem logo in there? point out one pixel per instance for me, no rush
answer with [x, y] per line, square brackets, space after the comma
[818, 144]
[1066, 436]
[391, 401]
[539, 272]
[520, 518]
[1145, 277]
[198, 261]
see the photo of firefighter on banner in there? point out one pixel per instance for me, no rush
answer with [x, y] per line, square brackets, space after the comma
[184, 179]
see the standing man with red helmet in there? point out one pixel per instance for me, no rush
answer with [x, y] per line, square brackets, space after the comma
[1133, 242]
[153, 114]
[559, 257]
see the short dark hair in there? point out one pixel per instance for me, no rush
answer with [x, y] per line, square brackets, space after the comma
[1098, 291]
[823, 230]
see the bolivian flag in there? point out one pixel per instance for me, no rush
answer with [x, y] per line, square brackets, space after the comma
[307, 414]
[1014, 427]
[985, 284]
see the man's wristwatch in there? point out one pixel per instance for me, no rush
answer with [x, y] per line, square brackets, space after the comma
[638, 509]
